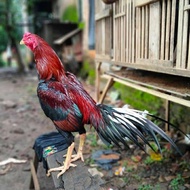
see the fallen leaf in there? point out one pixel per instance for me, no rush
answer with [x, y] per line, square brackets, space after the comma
[136, 158]
[155, 156]
[169, 178]
[161, 179]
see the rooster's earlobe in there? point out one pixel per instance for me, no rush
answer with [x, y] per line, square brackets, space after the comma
[21, 42]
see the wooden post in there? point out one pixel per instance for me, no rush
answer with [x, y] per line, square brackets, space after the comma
[167, 114]
[98, 65]
[34, 184]
[107, 87]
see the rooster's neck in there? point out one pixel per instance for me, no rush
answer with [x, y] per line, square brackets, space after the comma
[48, 64]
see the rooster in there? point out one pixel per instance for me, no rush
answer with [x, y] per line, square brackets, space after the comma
[64, 100]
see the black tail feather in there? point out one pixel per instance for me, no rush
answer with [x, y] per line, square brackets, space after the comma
[123, 123]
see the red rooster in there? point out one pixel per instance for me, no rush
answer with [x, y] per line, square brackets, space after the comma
[65, 101]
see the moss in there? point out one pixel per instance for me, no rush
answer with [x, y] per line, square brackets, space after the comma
[138, 99]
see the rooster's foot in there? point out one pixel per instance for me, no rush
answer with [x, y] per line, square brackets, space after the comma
[63, 169]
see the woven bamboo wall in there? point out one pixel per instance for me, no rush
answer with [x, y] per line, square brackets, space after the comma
[146, 34]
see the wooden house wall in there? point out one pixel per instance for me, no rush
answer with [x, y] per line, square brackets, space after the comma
[146, 34]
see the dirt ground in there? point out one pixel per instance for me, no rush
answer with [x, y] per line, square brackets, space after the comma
[22, 121]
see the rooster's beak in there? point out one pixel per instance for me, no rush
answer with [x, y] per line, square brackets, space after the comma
[21, 42]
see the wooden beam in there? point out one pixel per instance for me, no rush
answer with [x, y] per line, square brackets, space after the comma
[108, 85]
[167, 114]
[180, 32]
[34, 177]
[150, 91]
[119, 15]
[105, 13]
[139, 3]
[154, 30]
[150, 65]
[98, 65]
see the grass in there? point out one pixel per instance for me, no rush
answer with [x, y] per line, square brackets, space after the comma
[149, 187]
[177, 182]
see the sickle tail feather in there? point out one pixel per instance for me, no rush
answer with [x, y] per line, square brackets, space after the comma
[121, 124]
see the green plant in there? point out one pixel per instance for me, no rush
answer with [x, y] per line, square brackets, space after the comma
[88, 71]
[92, 138]
[70, 14]
[89, 161]
[145, 187]
[148, 160]
[126, 180]
[148, 187]
[137, 177]
[177, 182]
[129, 169]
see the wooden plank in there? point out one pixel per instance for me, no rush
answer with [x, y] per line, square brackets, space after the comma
[107, 87]
[130, 32]
[133, 33]
[185, 38]
[168, 27]
[122, 33]
[164, 63]
[172, 37]
[103, 36]
[127, 31]
[119, 15]
[188, 61]
[34, 183]
[119, 33]
[114, 35]
[154, 31]
[143, 33]
[163, 30]
[103, 57]
[167, 114]
[34, 176]
[139, 32]
[139, 3]
[164, 67]
[180, 32]
[101, 15]
[146, 31]
[160, 85]
[186, 7]
[150, 91]
[98, 65]
[109, 39]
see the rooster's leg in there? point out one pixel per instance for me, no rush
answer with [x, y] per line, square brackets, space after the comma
[67, 163]
[79, 154]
